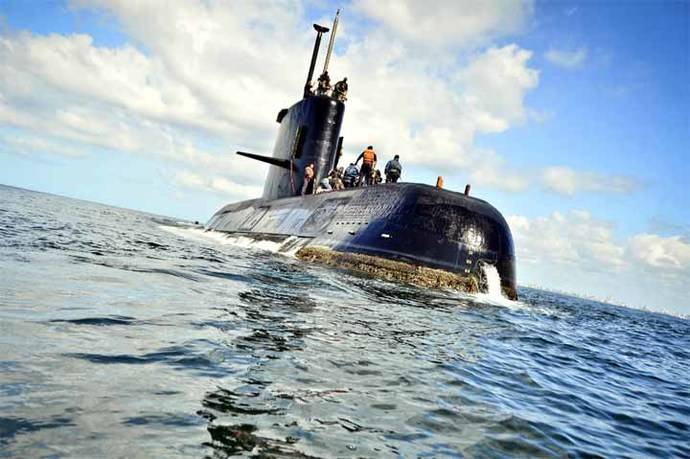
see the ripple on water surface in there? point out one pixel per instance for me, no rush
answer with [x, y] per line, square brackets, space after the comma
[127, 334]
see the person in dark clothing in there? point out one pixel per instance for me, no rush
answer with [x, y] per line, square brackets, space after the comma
[340, 90]
[324, 84]
[393, 170]
[350, 176]
[368, 158]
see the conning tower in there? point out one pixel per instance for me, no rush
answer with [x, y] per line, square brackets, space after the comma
[309, 131]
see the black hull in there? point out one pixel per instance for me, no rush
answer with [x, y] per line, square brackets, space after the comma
[412, 223]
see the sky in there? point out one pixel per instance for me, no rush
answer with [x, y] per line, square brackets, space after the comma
[571, 118]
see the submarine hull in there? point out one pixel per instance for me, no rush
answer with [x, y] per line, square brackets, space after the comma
[412, 224]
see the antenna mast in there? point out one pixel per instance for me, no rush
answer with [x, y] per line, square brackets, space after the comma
[331, 41]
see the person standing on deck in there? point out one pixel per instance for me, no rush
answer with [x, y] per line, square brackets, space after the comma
[336, 179]
[368, 158]
[393, 170]
[350, 176]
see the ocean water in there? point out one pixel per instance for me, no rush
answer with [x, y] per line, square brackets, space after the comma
[124, 334]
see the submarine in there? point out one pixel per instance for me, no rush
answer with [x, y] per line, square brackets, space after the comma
[408, 232]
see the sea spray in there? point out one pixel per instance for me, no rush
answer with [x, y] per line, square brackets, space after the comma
[288, 246]
[493, 281]
[492, 291]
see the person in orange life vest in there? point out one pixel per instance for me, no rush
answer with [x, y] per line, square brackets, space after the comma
[308, 184]
[368, 158]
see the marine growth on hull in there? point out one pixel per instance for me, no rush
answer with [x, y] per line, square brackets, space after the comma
[390, 269]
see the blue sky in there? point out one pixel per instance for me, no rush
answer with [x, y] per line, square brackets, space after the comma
[571, 118]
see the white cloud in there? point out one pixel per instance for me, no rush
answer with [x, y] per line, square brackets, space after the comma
[655, 251]
[449, 22]
[61, 85]
[490, 170]
[432, 122]
[113, 99]
[231, 57]
[71, 70]
[42, 145]
[576, 252]
[495, 84]
[574, 238]
[215, 184]
[567, 59]
[567, 181]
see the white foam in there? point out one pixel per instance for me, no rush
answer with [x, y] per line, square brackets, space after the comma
[288, 247]
[494, 295]
[493, 280]
[183, 231]
[291, 245]
[249, 243]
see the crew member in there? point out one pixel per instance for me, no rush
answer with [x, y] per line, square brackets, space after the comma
[393, 170]
[324, 84]
[376, 177]
[308, 185]
[336, 179]
[350, 177]
[340, 90]
[368, 158]
[324, 185]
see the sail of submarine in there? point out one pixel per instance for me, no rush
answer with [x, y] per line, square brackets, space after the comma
[408, 232]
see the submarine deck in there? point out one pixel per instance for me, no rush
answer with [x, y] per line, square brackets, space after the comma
[408, 222]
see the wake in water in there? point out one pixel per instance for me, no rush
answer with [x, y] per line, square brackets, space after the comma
[289, 247]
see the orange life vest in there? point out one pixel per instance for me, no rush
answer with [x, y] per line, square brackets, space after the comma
[368, 157]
